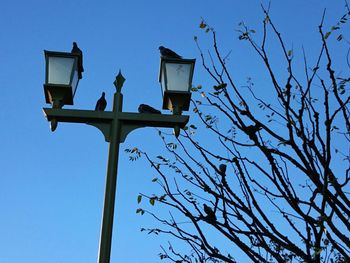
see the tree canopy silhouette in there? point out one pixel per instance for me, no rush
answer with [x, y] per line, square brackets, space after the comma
[273, 180]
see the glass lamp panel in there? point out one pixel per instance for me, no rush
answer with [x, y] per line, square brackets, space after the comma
[178, 76]
[75, 81]
[60, 70]
[162, 80]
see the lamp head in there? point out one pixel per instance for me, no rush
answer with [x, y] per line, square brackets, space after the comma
[61, 79]
[175, 77]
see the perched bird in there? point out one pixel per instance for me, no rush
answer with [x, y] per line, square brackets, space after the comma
[210, 213]
[77, 51]
[252, 129]
[168, 53]
[101, 103]
[144, 108]
[222, 169]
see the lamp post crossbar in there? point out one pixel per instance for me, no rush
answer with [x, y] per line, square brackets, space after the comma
[130, 120]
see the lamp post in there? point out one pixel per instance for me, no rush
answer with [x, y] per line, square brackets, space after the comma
[116, 124]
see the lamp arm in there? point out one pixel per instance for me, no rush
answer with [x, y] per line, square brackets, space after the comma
[129, 120]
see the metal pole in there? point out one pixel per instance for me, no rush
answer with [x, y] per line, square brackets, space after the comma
[104, 253]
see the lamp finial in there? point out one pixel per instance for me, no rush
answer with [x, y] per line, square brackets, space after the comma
[119, 81]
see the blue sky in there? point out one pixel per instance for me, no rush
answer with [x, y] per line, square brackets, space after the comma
[52, 184]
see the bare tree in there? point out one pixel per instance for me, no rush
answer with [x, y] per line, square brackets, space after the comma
[273, 182]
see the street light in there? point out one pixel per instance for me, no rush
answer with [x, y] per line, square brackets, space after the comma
[61, 79]
[60, 86]
[175, 77]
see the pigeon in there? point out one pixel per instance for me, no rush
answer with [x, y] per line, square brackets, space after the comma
[210, 213]
[144, 108]
[252, 129]
[168, 53]
[101, 103]
[77, 51]
[222, 169]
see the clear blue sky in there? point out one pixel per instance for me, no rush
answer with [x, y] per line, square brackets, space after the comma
[52, 184]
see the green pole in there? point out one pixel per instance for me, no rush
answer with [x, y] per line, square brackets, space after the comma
[111, 183]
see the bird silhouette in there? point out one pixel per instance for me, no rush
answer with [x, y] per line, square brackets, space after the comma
[252, 129]
[77, 51]
[144, 108]
[101, 103]
[168, 53]
[210, 213]
[222, 169]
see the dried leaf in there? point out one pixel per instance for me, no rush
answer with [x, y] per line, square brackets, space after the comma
[327, 35]
[140, 211]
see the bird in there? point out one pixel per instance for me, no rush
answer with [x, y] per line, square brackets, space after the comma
[77, 51]
[101, 103]
[222, 169]
[168, 53]
[210, 213]
[144, 108]
[252, 129]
